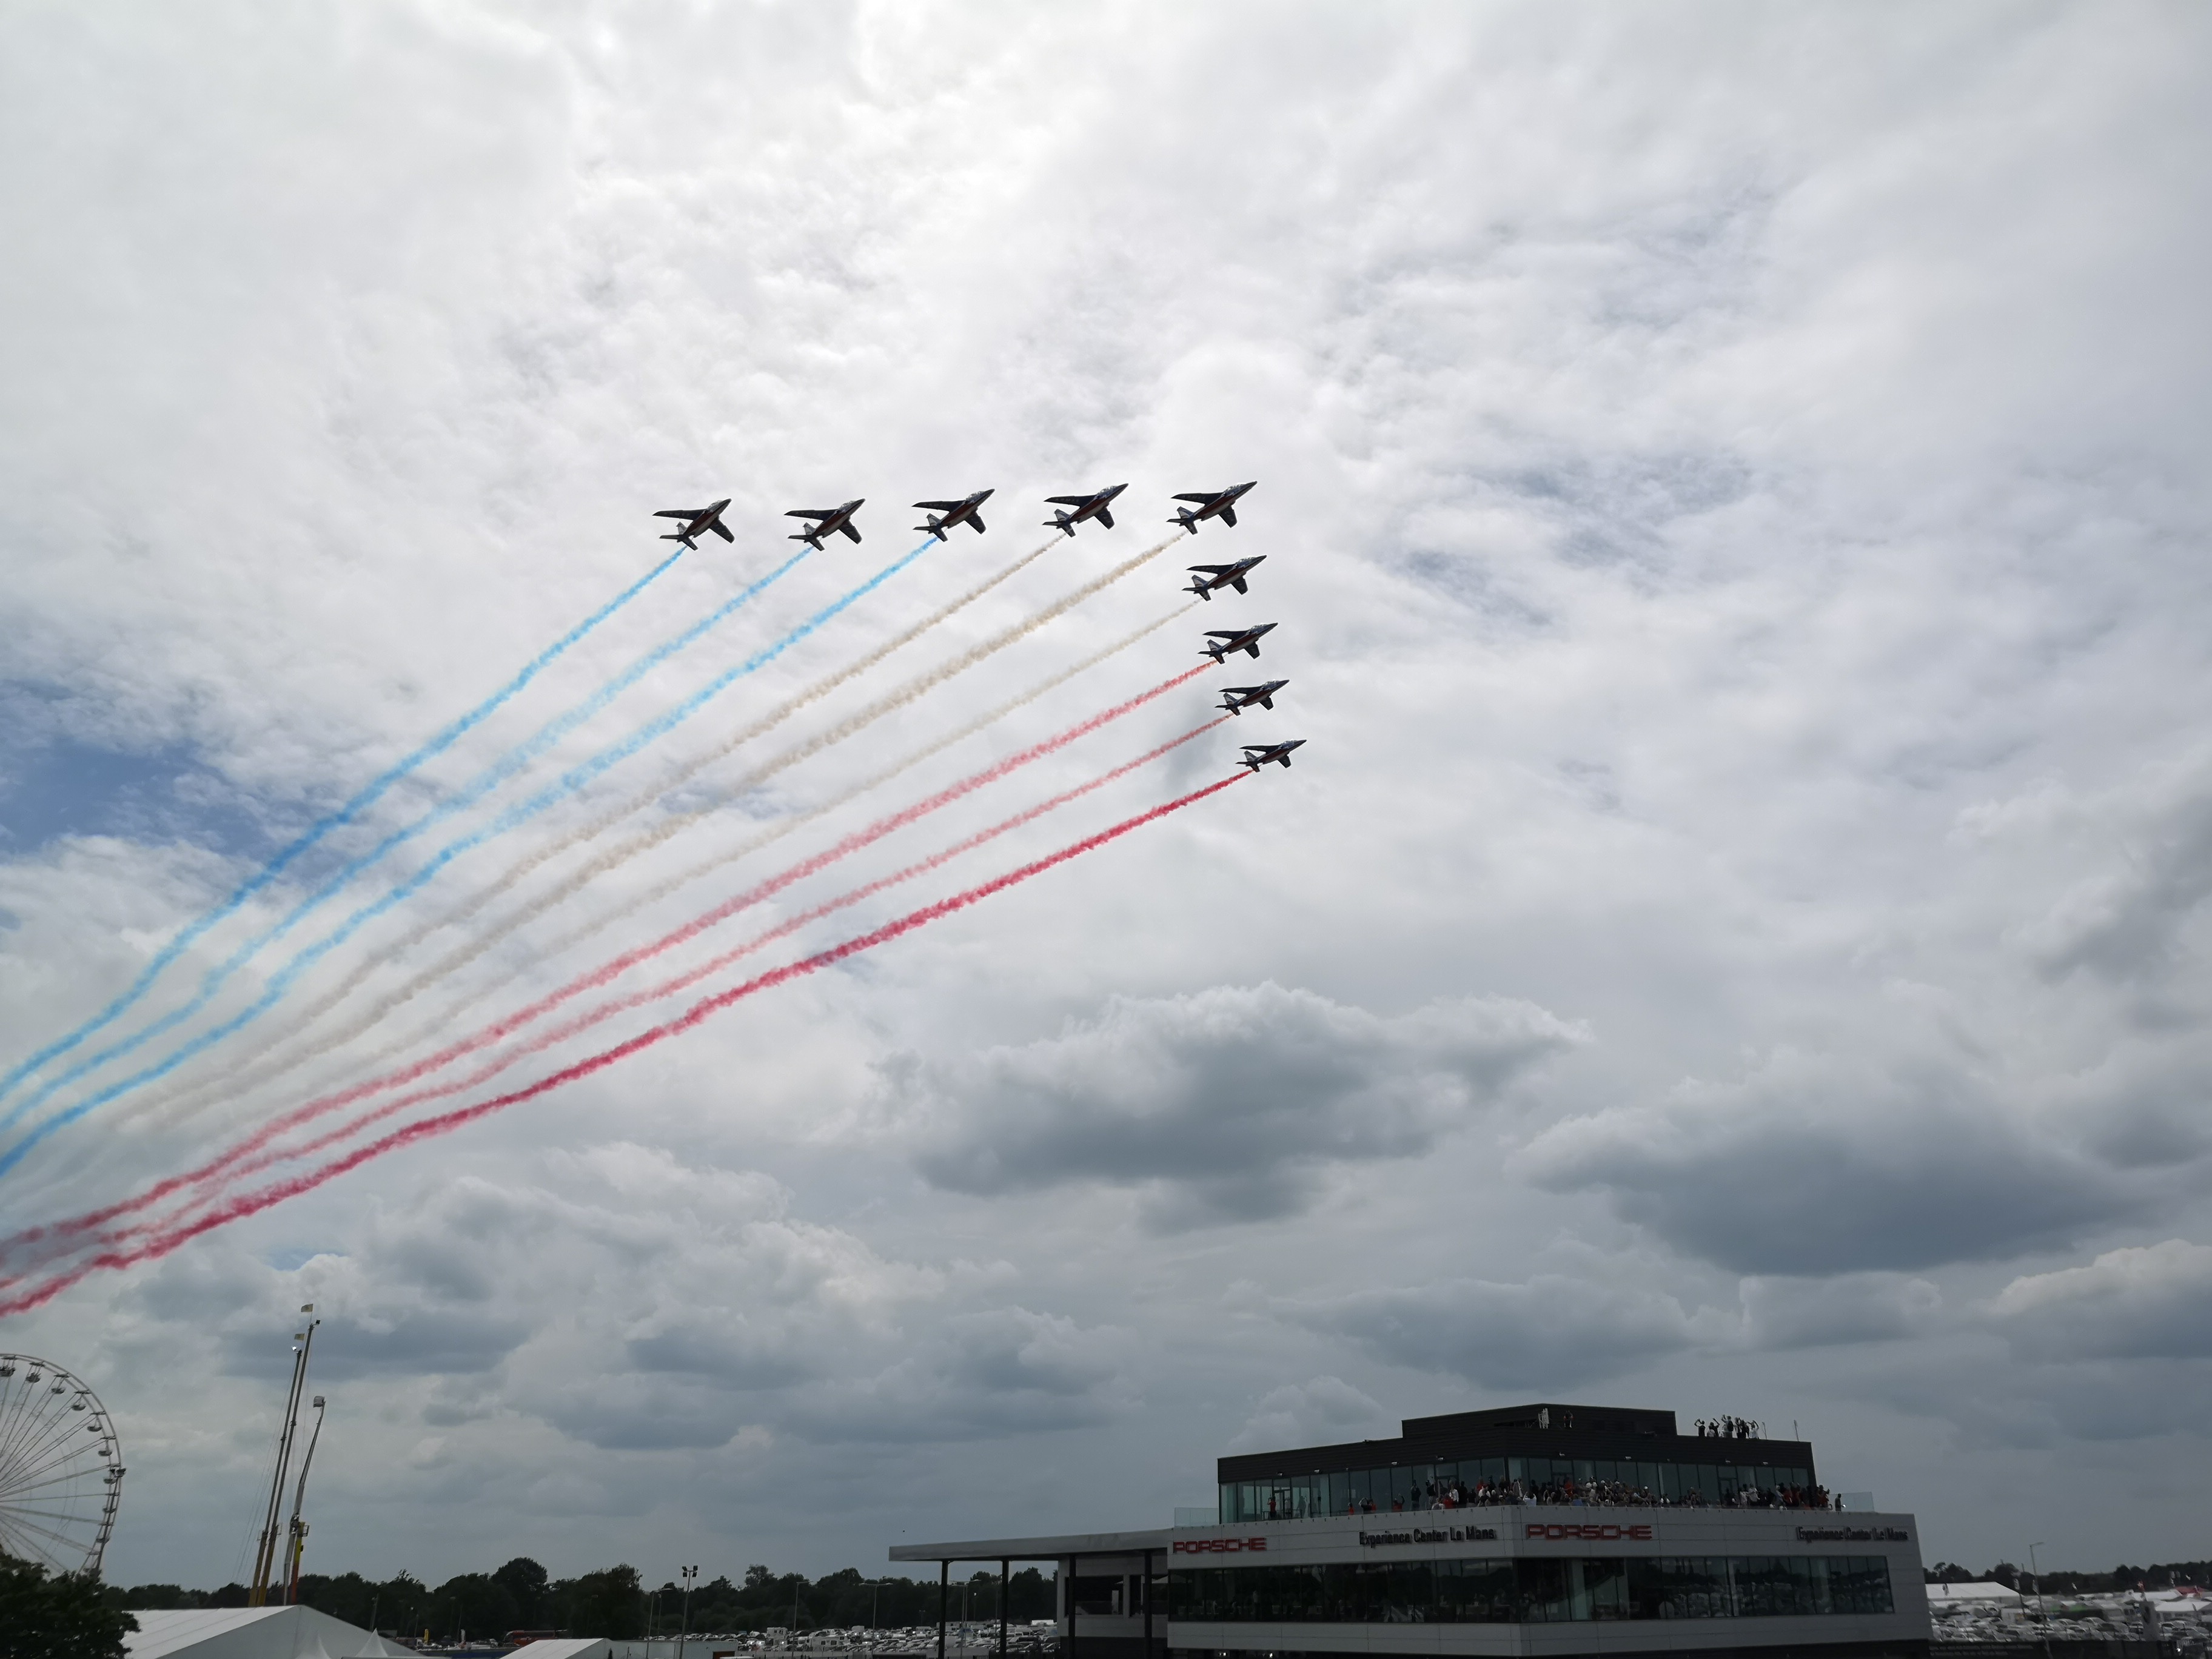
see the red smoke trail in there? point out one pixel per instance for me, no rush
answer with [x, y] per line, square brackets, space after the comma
[73, 1229]
[248, 1204]
[605, 1011]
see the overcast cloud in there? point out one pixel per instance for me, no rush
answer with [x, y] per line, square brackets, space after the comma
[1731, 480]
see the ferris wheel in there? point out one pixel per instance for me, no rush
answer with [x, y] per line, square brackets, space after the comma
[61, 1466]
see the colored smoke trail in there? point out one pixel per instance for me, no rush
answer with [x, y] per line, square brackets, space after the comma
[252, 1155]
[844, 797]
[248, 1204]
[609, 971]
[312, 837]
[229, 1086]
[498, 772]
[231, 1083]
[677, 823]
[775, 832]
[566, 785]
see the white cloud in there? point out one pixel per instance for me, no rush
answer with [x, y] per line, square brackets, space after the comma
[2152, 1301]
[1325, 1410]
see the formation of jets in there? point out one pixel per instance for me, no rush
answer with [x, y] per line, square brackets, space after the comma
[1068, 511]
[941, 518]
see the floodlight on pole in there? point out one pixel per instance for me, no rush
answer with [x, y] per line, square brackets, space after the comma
[2041, 1615]
[264, 1557]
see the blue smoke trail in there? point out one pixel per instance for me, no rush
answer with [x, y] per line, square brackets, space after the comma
[566, 784]
[315, 832]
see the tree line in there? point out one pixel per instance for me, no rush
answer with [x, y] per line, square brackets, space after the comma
[615, 1602]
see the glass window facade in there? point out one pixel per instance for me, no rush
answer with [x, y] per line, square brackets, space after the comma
[1421, 1485]
[1534, 1590]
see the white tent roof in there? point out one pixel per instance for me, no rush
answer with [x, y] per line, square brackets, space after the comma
[1938, 1593]
[568, 1647]
[252, 1633]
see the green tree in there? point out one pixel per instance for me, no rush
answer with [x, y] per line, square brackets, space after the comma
[525, 1581]
[609, 1602]
[401, 1604]
[473, 1602]
[346, 1596]
[57, 1616]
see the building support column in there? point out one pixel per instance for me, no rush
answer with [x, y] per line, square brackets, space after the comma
[1074, 1562]
[944, 1602]
[1148, 1604]
[1002, 1609]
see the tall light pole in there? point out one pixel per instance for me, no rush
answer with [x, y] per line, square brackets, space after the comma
[299, 1534]
[2039, 1612]
[684, 1627]
[265, 1557]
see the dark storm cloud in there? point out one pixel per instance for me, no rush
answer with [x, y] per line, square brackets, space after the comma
[1553, 1332]
[1226, 1105]
[1818, 1313]
[1814, 1167]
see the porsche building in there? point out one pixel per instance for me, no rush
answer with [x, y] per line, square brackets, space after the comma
[1543, 1529]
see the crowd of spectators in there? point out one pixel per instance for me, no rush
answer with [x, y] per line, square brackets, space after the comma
[1438, 1495]
[1729, 1428]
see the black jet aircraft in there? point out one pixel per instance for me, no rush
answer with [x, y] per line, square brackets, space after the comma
[1257, 755]
[1221, 503]
[1236, 699]
[1205, 578]
[1223, 643]
[1086, 507]
[697, 521]
[834, 518]
[960, 512]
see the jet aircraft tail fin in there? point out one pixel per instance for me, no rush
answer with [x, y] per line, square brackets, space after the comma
[1183, 518]
[680, 537]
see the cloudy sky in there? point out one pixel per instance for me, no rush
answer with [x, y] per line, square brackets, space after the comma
[1732, 483]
